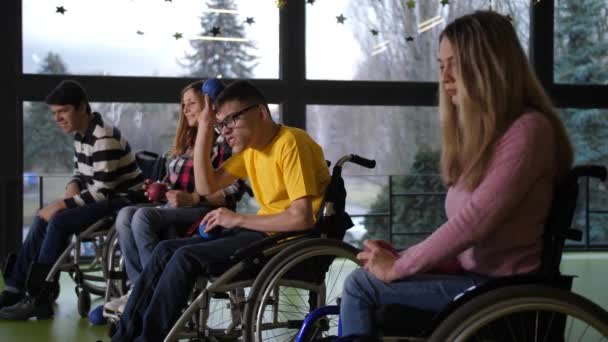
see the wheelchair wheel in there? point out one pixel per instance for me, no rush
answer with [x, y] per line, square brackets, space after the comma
[525, 313]
[112, 262]
[88, 272]
[84, 303]
[299, 279]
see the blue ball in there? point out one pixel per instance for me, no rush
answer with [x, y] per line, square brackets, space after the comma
[96, 316]
[212, 235]
[212, 87]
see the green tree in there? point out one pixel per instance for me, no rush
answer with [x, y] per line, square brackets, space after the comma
[45, 146]
[221, 58]
[581, 57]
[416, 214]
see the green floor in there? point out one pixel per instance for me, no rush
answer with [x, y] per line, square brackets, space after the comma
[67, 326]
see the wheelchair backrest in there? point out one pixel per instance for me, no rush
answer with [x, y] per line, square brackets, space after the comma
[151, 165]
[558, 227]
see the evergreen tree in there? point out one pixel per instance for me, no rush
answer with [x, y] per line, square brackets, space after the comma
[581, 43]
[45, 146]
[225, 58]
[416, 215]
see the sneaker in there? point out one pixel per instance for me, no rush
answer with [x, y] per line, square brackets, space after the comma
[116, 305]
[26, 308]
[9, 298]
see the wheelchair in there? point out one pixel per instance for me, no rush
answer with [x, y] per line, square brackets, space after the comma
[533, 307]
[269, 287]
[90, 272]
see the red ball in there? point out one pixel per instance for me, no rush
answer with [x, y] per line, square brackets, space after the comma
[156, 191]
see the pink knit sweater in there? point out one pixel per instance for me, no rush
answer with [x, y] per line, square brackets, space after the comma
[496, 230]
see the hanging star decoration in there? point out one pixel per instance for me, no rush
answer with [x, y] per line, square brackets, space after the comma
[250, 20]
[411, 4]
[374, 32]
[340, 18]
[409, 39]
[312, 2]
[216, 31]
[281, 3]
[445, 2]
[178, 35]
[139, 32]
[61, 9]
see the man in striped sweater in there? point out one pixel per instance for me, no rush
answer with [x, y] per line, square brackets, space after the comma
[104, 170]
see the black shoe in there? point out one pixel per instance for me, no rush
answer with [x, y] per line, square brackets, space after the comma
[8, 298]
[26, 308]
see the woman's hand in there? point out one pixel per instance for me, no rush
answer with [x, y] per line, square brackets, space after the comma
[223, 217]
[179, 199]
[379, 260]
[146, 184]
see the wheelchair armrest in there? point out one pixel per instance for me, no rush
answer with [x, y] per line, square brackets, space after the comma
[258, 247]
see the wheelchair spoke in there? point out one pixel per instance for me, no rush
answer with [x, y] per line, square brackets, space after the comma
[333, 286]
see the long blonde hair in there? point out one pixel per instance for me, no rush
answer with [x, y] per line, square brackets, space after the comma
[185, 135]
[495, 86]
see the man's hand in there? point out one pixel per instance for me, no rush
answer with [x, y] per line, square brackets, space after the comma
[179, 199]
[71, 190]
[221, 217]
[50, 210]
[379, 260]
[207, 115]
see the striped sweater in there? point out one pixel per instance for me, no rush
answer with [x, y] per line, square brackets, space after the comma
[103, 164]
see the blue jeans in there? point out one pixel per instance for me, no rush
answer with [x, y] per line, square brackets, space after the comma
[364, 293]
[46, 241]
[141, 228]
[162, 290]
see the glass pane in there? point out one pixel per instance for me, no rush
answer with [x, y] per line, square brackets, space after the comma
[48, 152]
[581, 41]
[403, 141]
[386, 40]
[588, 132]
[152, 38]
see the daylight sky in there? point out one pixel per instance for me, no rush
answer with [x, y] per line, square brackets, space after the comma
[100, 36]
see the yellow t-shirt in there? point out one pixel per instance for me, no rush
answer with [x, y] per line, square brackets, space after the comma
[290, 167]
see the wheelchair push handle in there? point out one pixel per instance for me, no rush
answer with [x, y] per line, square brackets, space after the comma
[353, 158]
[595, 171]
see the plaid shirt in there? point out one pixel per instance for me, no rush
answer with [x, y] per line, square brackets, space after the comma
[180, 173]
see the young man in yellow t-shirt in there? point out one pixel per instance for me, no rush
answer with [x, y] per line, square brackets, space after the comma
[288, 174]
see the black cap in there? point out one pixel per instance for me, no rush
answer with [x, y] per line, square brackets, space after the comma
[68, 92]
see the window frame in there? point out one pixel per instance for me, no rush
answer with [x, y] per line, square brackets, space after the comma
[291, 90]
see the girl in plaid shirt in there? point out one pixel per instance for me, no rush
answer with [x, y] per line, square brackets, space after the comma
[140, 229]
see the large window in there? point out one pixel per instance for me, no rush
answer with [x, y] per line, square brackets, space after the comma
[109, 45]
[581, 41]
[387, 40]
[402, 198]
[217, 38]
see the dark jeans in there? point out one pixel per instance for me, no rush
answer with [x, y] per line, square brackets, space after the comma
[46, 241]
[162, 290]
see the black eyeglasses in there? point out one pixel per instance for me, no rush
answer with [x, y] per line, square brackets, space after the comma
[230, 120]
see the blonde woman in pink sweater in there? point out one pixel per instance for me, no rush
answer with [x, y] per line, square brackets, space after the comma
[504, 149]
